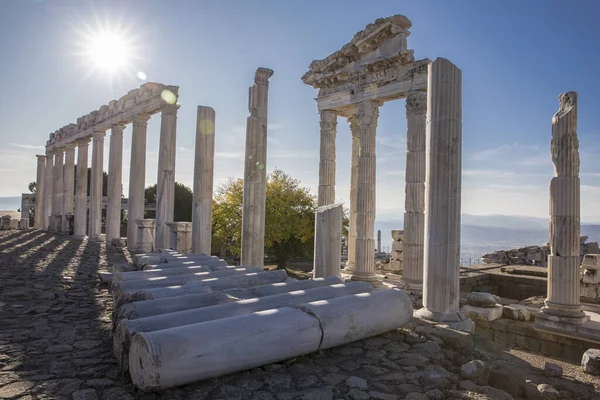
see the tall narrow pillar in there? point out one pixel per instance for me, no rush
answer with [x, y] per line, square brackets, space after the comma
[255, 173]
[414, 203]
[58, 205]
[48, 190]
[355, 130]
[68, 185]
[137, 177]
[326, 193]
[165, 187]
[364, 269]
[328, 241]
[95, 230]
[40, 180]
[114, 191]
[562, 308]
[441, 288]
[203, 181]
[379, 241]
[81, 191]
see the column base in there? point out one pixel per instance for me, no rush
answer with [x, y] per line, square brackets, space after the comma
[349, 268]
[363, 277]
[79, 236]
[98, 238]
[411, 285]
[561, 317]
[457, 321]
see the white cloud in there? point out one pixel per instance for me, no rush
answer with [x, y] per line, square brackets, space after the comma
[28, 146]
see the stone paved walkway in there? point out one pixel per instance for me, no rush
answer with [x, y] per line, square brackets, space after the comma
[55, 344]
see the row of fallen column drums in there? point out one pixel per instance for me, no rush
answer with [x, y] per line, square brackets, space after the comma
[183, 318]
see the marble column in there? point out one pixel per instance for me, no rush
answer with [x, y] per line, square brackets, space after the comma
[115, 189]
[441, 285]
[137, 177]
[48, 190]
[364, 269]
[355, 130]
[414, 203]
[379, 241]
[39, 192]
[95, 231]
[58, 205]
[562, 306]
[81, 191]
[328, 241]
[255, 173]
[181, 236]
[203, 181]
[68, 185]
[326, 193]
[165, 188]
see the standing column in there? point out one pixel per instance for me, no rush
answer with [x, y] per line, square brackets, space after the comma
[379, 241]
[255, 173]
[355, 130]
[441, 288]
[137, 177]
[48, 190]
[68, 185]
[40, 195]
[562, 308]
[58, 206]
[165, 187]
[364, 270]
[203, 181]
[115, 172]
[81, 194]
[328, 241]
[414, 203]
[327, 154]
[96, 185]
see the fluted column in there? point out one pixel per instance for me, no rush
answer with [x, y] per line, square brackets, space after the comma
[39, 192]
[368, 112]
[165, 186]
[95, 230]
[114, 190]
[562, 306]
[81, 191]
[327, 154]
[58, 205]
[137, 177]
[203, 181]
[255, 172]
[68, 184]
[48, 190]
[414, 204]
[441, 288]
[355, 130]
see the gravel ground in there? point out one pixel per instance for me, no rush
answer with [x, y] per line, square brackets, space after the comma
[55, 344]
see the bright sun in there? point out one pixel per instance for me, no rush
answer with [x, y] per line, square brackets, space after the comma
[109, 52]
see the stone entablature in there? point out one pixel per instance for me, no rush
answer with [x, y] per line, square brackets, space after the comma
[148, 99]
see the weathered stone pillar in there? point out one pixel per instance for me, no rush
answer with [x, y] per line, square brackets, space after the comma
[145, 235]
[68, 185]
[48, 190]
[40, 180]
[327, 154]
[368, 112]
[379, 240]
[181, 236]
[81, 191]
[355, 130]
[328, 241]
[115, 188]
[137, 177]
[414, 204]
[441, 288]
[203, 181]
[562, 308]
[255, 173]
[165, 187]
[58, 205]
[95, 230]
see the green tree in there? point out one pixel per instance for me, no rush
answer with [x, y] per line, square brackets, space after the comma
[184, 200]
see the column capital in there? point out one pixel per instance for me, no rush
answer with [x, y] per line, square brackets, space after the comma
[70, 146]
[41, 157]
[49, 153]
[141, 119]
[368, 112]
[416, 103]
[59, 151]
[84, 141]
[98, 135]
[170, 109]
[117, 129]
[328, 116]
[262, 75]
[354, 126]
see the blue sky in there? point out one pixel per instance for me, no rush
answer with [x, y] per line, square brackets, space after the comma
[516, 57]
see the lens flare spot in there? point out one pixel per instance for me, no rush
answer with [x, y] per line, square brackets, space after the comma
[168, 96]
[260, 165]
[206, 127]
[142, 75]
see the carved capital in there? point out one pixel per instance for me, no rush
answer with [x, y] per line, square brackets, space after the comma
[564, 145]
[70, 146]
[328, 120]
[141, 120]
[368, 112]
[416, 103]
[117, 129]
[84, 141]
[170, 109]
[59, 151]
[262, 76]
[354, 126]
[41, 157]
[98, 136]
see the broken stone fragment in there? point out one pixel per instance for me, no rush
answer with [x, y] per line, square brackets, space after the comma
[480, 299]
[590, 362]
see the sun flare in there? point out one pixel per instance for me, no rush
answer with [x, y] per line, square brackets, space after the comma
[109, 52]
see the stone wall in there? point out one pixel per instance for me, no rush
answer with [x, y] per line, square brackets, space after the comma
[533, 255]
